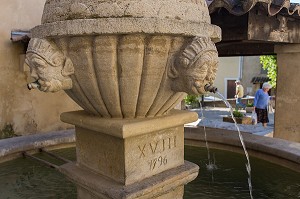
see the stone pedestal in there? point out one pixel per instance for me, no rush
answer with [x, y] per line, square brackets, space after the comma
[130, 158]
[121, 61]
[287, 123]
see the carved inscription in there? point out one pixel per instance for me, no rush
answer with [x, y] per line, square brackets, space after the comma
[155, 148]
[158, 162]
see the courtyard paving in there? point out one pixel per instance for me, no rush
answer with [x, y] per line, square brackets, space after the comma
[213, 118]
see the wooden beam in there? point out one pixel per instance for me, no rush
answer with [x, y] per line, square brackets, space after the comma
[233, 27]
[244, 48]
[278, 28]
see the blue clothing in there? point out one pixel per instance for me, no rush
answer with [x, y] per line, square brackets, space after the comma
[261, 99]
[239, 103]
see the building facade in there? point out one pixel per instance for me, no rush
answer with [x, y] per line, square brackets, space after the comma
[28, 112]
[247, 69]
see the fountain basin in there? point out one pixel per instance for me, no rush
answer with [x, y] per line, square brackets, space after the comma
[12, 148]
[21, 181]
[277, 151]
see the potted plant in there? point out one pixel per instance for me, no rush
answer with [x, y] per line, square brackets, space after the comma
[237, 114]
[249, 107]
[240, 118]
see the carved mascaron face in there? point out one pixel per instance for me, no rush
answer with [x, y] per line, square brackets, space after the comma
[112, 80]
[48, 66]
[195, 67]
[201, 73]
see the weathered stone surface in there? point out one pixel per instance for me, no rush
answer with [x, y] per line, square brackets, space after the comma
[125, 128]
[106, 84]
[14, 147]
[176, 193]
[129, 150]
[126, 26]
[49, 67]
[187, 10]
[287, 123]
[132, 59]
[28, 112]
[195, 67]
[166, 185]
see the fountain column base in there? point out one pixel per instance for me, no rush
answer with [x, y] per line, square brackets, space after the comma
[166, 185]
[130, 158]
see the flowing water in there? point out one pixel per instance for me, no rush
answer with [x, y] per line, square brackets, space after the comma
[211, 165]
[248, 166]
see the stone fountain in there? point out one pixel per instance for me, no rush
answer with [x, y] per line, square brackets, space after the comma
[127, 63]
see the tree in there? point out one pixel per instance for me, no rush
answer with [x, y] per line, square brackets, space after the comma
[269, 63]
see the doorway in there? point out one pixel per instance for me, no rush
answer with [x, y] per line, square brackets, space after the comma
[230, 87]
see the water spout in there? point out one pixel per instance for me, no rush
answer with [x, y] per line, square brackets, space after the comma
[33, 85]
[210, 88]
[248, 165]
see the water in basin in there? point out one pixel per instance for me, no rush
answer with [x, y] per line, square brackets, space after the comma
[269, 181]
[26, 178]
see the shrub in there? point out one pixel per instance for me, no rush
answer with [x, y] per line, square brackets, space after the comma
[237, 113]
[249, 105]
[7, 132]
[190, 99]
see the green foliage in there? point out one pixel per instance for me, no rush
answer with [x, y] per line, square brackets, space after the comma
[190, 99]
[249, 105]
[269, 63]
[237, 113]
[7, 132]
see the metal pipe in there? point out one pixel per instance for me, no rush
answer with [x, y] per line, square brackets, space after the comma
[33, 85]
[40, 160]
[20, 35]
[54, 155]
[210, 88]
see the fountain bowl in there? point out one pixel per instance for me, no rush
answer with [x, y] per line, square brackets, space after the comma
[118, 57]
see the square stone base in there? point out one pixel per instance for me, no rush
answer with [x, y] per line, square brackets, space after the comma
[130, 158]
[166, 185]
[129, 150]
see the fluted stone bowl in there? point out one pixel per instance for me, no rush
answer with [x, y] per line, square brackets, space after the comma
[122, 75]
[122, 50]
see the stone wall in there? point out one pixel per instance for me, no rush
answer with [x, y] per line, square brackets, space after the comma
[251, 68]
[228, 69]
[287, 123]
[27, 111]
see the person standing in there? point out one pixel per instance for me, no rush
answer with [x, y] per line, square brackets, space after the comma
[239, 93]
[261, 102]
